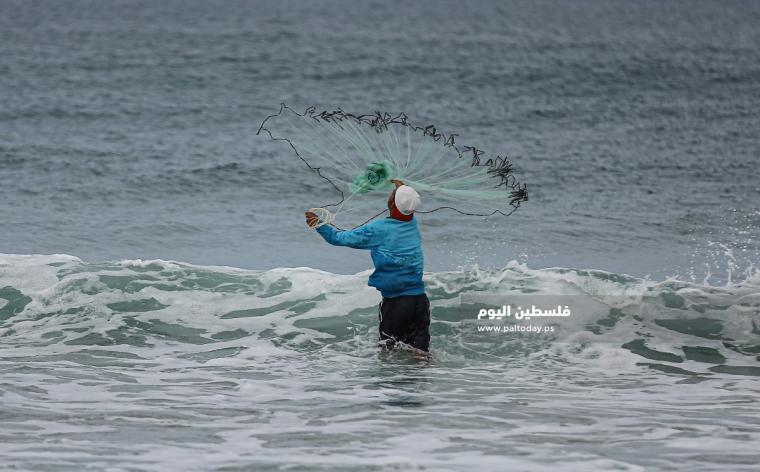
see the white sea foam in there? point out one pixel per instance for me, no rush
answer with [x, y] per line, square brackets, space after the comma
[161, 365]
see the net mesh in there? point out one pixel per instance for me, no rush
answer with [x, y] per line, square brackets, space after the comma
[359, 155]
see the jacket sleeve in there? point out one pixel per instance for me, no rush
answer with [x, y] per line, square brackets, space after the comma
[368, 236]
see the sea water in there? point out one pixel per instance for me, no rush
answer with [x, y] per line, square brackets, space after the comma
[163, 307]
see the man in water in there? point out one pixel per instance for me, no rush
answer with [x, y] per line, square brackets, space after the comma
[396, 250]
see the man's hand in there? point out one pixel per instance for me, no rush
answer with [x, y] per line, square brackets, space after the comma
[311, 219]
[397, 182]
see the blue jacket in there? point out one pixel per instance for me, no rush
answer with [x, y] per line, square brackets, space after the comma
[396, 250]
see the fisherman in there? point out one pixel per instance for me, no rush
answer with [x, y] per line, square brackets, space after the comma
[396, 250]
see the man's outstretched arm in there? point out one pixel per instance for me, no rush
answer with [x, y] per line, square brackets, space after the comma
[364, 237]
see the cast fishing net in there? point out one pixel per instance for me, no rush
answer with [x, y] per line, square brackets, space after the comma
[358, 156]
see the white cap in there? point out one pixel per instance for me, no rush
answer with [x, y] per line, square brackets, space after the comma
[407, 199]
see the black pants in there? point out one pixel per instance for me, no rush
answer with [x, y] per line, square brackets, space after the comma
[406, 319]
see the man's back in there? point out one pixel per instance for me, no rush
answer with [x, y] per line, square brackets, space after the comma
[396, 250]
[398, 260]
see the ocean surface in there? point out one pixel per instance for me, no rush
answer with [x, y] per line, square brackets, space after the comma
[163, 307]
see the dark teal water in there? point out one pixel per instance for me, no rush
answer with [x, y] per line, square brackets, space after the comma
[128, 128]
